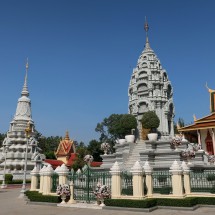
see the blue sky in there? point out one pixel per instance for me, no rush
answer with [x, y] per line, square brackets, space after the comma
[81, 55]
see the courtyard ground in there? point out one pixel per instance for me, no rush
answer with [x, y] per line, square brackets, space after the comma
[11, 205]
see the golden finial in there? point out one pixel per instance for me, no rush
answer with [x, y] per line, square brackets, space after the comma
[194, 117]
[28, 130]
[67, 135]
[209, 90]
[178, 126]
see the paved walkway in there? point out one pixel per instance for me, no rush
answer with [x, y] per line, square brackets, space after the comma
[11, 205]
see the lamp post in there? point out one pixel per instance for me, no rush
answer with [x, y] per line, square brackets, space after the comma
[28, 132]
[3, 185]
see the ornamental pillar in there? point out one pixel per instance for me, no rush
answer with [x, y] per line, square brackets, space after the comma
[63, 172]
[177, 185]
[138, 185]
[34, 179]
[71, 200]
[115, 181]
[149, 182]
[41, 179]
[186, 172]
[47, 184]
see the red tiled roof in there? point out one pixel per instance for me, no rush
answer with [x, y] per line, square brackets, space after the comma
[96, 164]
[54, 163]
[71, 159]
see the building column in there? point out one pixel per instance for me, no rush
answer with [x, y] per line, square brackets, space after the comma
[177, 186]
[138, 185]
[172, 128]
[47, 184]
[71, 200]
[186, 172]
[115, 181]
[63, 172]
[34, 179]
[166, 122]
[199, 138]
[149, 181]
[213, 139]
[41, 179]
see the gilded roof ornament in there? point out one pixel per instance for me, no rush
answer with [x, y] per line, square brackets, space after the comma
[209, 90]
[194, 117]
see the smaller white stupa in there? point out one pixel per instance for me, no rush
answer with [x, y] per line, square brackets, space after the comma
[14, 144]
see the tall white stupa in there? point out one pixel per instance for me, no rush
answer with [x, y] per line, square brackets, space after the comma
[150, 89]
[16, 140]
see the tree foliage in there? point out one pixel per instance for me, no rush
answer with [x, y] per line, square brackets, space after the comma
[2, 136]
[116, 126]
[150, 120]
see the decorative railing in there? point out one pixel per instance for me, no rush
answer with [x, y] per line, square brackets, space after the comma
[55, 182]
[162, 182]
[85, 183]
[127, 183]
[202, 181]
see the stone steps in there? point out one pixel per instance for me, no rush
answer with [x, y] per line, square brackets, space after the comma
[135, 156]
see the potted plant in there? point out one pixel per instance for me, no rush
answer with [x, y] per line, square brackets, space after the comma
[105, 147]
[101, 192]
[151, 121]
[63, 191]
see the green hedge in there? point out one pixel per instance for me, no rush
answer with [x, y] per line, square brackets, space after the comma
[186, 202]
[129, 203]
[16, 181]
[206, 200]
[8, 178]
[147, 203]
[34, 196]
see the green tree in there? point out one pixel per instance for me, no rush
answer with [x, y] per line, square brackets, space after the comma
[180, 124]
[116, 126]
[94, 149]
[2, 136]
[150, 120]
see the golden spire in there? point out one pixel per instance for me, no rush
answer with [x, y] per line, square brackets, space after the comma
[67, 135]
[209, 90]
[178, 126]
[194, 117]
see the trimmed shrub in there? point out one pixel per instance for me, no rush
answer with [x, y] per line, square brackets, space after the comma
[187, 202]
[150, 120]
[16, 181]
[8, 178]
[206, 200]
[34, 196]
[130, 203]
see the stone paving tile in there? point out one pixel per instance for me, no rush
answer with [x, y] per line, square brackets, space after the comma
[11, 205]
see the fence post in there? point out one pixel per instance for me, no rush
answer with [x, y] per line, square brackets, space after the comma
[186, 172]
[138, 185]
[177, 185]
[63, 172]
[115, 181]
[34, 178]
[71, 201]
[41, 179]
[149, 182]
[47, 181]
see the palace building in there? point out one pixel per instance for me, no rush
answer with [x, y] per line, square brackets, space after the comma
[203, 129]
